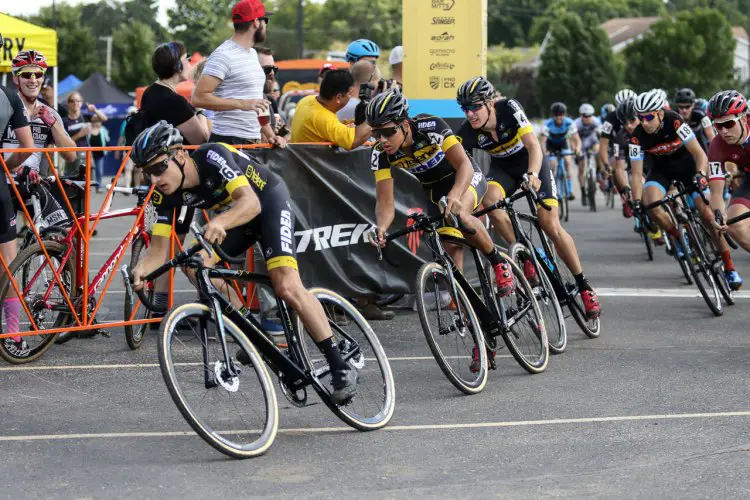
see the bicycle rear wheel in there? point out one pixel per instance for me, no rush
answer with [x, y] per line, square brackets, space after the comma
[134, 334]
[451, 328]
[698, 264]
[34, 278]
[236, 414]
[549, 305]
[372, 407]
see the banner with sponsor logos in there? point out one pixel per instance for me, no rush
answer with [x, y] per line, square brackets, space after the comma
[445, 44]
[333, 197]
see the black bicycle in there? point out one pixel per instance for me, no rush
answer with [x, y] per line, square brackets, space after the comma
[458, 323]
[690, 249]
[232, 406]
[521, 252]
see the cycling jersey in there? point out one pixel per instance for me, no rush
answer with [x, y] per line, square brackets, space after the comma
[557, 135]
[41, 133]
[721, 156]
[699, 122]
[13, 115]
[592, 129]
[610, 126]
[222, 169]
[432, 139]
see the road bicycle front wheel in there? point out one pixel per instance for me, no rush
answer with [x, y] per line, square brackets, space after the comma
[372, 406]
[716, 265]
[591, 188]
[134, 334]
[233, 408]
[698, 263]
[451, 328]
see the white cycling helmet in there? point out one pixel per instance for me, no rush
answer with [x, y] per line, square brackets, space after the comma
[586, 109]
[624, 95]
[652, 100]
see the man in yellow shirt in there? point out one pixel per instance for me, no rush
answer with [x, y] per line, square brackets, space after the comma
[315, 117]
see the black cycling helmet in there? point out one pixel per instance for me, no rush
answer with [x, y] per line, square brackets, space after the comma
[684, 96]
[559, 108]
[474, 91]
[153, 142]
[726, 103]
[386, 107]
[626, 110]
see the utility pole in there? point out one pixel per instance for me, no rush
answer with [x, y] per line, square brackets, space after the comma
[108, 39]
[300, 31]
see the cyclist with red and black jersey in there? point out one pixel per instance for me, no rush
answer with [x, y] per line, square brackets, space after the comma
[730, 152]
[677, 156]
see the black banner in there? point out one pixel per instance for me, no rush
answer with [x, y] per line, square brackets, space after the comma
[333, 194]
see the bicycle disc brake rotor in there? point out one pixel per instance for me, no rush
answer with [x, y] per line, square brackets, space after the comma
[231, 384]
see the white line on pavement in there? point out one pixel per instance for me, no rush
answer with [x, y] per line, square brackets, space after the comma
[419, 427]
[688, 291]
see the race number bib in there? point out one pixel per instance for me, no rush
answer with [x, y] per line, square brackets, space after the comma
[685, 132]
[521, 119]
[616, 150]
[607, 128]
[706, 122]
[635, 151]
[714, 170]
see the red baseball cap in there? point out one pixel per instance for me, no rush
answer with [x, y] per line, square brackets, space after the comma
[325, 68]
[248, 10]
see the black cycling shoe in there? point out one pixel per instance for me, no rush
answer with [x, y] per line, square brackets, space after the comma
[344, 385]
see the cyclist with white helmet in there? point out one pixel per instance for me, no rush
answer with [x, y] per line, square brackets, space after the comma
[677, 156]
[589, 127]
[610, 128]
[362, 49]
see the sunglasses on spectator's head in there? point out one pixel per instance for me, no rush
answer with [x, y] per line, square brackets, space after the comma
[472, 107]
[157, 168]
[384, 133]
[267, 69]
[647, 118]
[727, 124]
[26, 75]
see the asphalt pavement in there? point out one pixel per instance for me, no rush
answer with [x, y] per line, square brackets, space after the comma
[657, 407]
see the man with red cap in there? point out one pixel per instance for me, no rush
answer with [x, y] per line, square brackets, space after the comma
[232, 81]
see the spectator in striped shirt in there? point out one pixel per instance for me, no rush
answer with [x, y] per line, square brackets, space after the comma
[232, 81]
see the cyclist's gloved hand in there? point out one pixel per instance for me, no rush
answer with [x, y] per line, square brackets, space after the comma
[47, 116]
[637, 206]
[360, 113]
[32, 175]
[700, 182]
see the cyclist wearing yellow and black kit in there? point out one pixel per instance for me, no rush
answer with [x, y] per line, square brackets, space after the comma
[252, 204]
[501, 128]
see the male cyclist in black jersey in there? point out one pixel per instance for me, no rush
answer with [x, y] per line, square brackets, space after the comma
[254, 206]
[665, 136]
[696, 118]
[426, 147]
[500, 128]
[610, 128]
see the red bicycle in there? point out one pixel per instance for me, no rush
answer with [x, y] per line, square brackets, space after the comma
[51, 280]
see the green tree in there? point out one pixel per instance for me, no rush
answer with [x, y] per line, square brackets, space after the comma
[734, 10]
[509, 21]
[132, 45]
[347, 20]
[695, 48]
[577, 64]
[282, 32]
[201, 24]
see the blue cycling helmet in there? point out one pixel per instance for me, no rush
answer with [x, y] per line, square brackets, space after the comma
[607, 109]
[702, 104]
[361, 48]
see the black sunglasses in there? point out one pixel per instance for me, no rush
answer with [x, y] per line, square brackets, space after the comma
[267, 69]
[384, 133]
[266, 19]
[684, 106]
[472, 107]
[157, 168]
[726, 124]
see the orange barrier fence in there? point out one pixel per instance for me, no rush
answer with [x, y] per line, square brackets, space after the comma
[79, 235]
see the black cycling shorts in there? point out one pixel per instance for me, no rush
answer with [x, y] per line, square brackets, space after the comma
[8, 214]
[509, 177]
[274, 228]
[437, 190]
[662, 176]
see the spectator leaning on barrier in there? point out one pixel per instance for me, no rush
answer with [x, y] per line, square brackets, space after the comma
[78, 127]
[265, 57]
[396, 60]
[232, 81]
[161, 101]
[315, 118]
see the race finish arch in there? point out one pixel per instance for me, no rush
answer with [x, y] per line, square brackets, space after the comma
[445, 44]
[19, 35]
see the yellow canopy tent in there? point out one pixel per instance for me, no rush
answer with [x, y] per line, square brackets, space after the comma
[20, 35]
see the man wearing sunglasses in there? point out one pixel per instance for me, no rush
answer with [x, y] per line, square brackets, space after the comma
[677, 156]
[610, 128]
[558, 135]
[500, 127]
[253, 205]
[696, 118]
[730, 152]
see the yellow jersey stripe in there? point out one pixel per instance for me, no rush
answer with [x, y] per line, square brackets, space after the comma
[450, 231]
[449, 142]
[281, 261]
[229, 147]
[237, 182]
[524, 130]
[383, 174]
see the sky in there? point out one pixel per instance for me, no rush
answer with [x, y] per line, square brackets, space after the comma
[29, 7]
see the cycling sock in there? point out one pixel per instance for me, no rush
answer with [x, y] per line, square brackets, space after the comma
[332, 354]
[160, 300]
[726, 257]
[495, 257]
[12, 311]
[674, 234]
[582, 283]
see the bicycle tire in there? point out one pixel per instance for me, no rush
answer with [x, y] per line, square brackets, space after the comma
[716, 265]
[466, 386]
[524, 293]
[55, 250]
[591, 186]
[135, 334]
[648, 242]
[554, 318]
[698, 265]
[202, 313]
[338, 307]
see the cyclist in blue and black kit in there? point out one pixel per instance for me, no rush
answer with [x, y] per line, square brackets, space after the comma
[589, 127]
[558, 135]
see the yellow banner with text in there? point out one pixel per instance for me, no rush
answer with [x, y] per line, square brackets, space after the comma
[445, 44]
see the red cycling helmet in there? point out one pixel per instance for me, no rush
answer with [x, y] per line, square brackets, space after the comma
[28, 58]
[726, 103]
